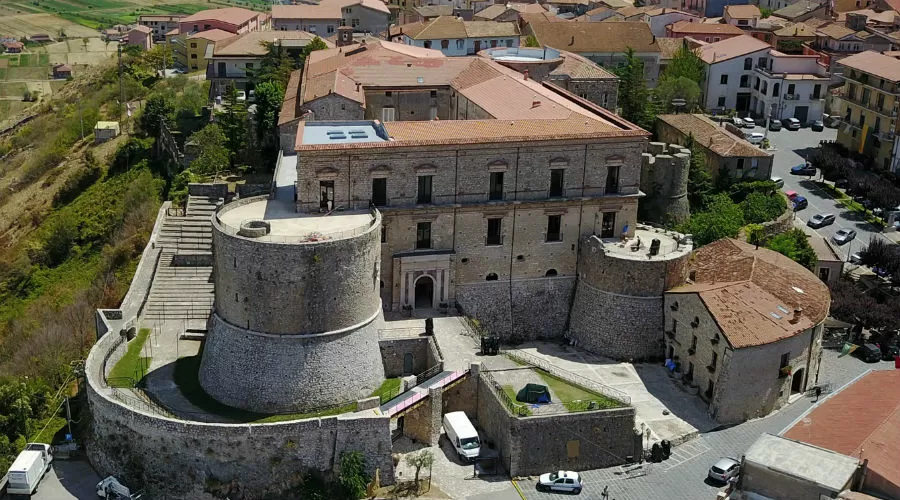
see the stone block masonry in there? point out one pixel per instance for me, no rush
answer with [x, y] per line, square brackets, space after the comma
[664, 178]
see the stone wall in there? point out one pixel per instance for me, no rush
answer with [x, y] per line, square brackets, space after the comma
[290, 373]
[394, 351]
[209, 190]
[664, 178]
[569, 441]
[519, 310]
[178, 459]
[423, 422]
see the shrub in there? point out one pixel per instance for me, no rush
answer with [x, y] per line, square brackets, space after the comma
[353, 478]
[759, 207]
[722, 219]
[794, 244]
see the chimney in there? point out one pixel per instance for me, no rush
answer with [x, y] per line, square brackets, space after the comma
[357, 86]
[798, 312]
[345, 36]
[535, 104]
[525, 73]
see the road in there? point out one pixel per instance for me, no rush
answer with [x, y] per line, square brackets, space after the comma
[68, 480]
[791, 147]
[683, 475]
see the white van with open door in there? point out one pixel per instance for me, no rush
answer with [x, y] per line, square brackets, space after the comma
[462, 435]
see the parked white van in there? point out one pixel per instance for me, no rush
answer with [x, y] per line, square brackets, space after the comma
[462, 435]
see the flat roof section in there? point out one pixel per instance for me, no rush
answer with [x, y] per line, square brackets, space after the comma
[286, 225]
[638, 246]
[343, 132]
[803, 461]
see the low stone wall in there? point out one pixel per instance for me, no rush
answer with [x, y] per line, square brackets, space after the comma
[539, 307]
[394, 351]
[219, 190]
[247, 190]
[572, 441]
[784, 222]
[181, 459]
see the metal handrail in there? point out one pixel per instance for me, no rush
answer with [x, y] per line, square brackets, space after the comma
[568, 376]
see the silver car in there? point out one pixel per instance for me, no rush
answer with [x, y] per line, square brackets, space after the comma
[820, 220]
[749, 123]
[724, 469]
[844, 236]
[564, 480]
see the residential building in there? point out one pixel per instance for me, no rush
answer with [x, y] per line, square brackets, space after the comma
[724, 152]
[462, 197]
[705, 32]
[192, 54]
[730, 72]
[668, 47]
[324, 18]
[503, 12]
[742, 16]
[455, 37]
[791, 37]
[231, 19]
[140, 36]
[716, 8]
[789, 86]
[41, 38]
[775, 4]
[803, 10]
[836, 423]
[160, 24]
[13, 47]
[658, 18]
[746, 329]
[869, 104]
[230, 62]
[526, 18]
[851, 5]
[604, 43]
[835, 41]
[788, 469]
[573, 7]
[601, 13]
[111, 35]
[567, 70]
[829, 264]
[62, 71]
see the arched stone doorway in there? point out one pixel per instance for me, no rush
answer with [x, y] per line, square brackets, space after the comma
[797, 382]
[424, 290]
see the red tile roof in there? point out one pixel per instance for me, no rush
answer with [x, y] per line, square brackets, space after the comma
[231, 15]
[862, 421]
[731, 48]
[752, 293]
[705, 29]
[212, 35]
[875, 64]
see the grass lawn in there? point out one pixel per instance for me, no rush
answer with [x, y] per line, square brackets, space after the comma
[853, 206]
[389, 389]
[188, 381]
[576, 398]
[53, 433]
[519, 409]
[14, 89]
[132, 367]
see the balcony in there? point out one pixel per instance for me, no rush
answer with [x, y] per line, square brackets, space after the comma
[791, 97]
[814, 97]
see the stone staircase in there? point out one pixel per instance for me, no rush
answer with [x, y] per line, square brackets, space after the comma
[182, 287]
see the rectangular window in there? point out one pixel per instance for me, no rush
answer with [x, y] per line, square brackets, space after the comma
[866, 93]
[249, 65]
[745, 81]
[721, 102]
[817, 91]
[723, 79]
[612, 180]
[433, 94]
[785, 359]
[608, 227]
[424, 193]
[330, 28]
[383, 233]
[459, 44]
[423, 235]
[740, 164]
[496, 186]
[761, 62]
[713, 361]
[379, 192]
[791, 89]
[193, 45]
[862, 120]
[354, 23]
[556, 182]
[877, 124]
[388, 114]
[694, 342]
[494, 234]
[554, 228]
[445, 44]
[880, 100]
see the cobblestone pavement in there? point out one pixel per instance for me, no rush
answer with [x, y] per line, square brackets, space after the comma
[683, 476]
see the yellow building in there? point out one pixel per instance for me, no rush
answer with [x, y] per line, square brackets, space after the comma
[189, 51]
[869, 106]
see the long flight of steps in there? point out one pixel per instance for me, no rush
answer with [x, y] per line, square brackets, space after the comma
[182, 287]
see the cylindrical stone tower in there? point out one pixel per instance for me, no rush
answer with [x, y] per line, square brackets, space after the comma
[297, 308]
[664, 179]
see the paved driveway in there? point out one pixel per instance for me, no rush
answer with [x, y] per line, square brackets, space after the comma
[792, 147]
[68, 480]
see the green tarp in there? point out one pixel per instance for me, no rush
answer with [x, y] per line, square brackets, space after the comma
[534, 393]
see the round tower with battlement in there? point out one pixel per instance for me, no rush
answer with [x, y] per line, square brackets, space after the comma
[297, 308]
[664, 180]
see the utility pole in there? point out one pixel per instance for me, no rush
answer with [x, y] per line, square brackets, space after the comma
[121, 88]
[69, 417]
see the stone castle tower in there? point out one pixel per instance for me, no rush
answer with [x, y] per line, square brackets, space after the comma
[664, 178]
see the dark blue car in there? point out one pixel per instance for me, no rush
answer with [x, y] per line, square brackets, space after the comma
[800, 203]
[803, 170]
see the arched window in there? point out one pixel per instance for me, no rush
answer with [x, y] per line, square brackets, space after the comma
[491, 277]
[551, 272]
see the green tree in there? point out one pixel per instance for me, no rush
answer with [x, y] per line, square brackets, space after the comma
[633, 95]
[158, 109]
[722, 219]
[213, 156]
[235, 125]
[679, 87]
[700, 182]
[269, 96]
[685, 64]
[755, 234]
[352, 478]
[760, 207]
[531, 41]
[765, 12]
[420, 461]
[794, 244]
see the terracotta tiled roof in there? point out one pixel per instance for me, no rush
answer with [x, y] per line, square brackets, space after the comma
[325, 9]
[575, 66]
[598, 10]
[429, 11]
[873, 63]
[492, 11]
[668, 47]
[614, 37]
[479, 29]
[615, 4]
[253, 43]
[540, 17]
[871, 16]
[289, 106]
[729, 49]
[862, 420]
[711, 136]
[13, 45]
[448, 27]
[752, 293]
[142, 29]
[232, 15]
[689, 28]
[527, 8]
[796, 29]
[798, 9]
[212, 35]
[835, 31]
[742, 11]
[631, 10]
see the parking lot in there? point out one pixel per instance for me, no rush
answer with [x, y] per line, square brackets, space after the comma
[68, 480]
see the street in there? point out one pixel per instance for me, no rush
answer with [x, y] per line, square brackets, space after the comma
[790, 144]
[68, 480]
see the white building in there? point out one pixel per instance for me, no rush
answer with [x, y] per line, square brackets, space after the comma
[659, 18]
[747, 75]
[324, 18]
[455, 37]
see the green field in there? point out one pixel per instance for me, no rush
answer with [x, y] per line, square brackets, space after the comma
[12, 89]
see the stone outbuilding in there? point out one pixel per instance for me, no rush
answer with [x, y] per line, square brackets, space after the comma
[62, 71]
[745, 331]
[105, 131]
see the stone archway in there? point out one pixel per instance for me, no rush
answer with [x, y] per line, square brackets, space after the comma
[424, 292]
[797, 382]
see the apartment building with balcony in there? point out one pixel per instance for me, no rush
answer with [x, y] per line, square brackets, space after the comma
[789, 86]
[456, 37]
[730, 71]
[188, 41]
[869, 100]
[160, 24]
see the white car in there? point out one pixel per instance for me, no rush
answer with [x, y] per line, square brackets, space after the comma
[241, 96]
[724, 469]
[755, 138]
[564, 480]
[749, 123]
[779, 182]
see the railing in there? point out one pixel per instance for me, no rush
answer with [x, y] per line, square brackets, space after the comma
[792, 97]
[431, 372]
[516, 408]
[569, 376]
